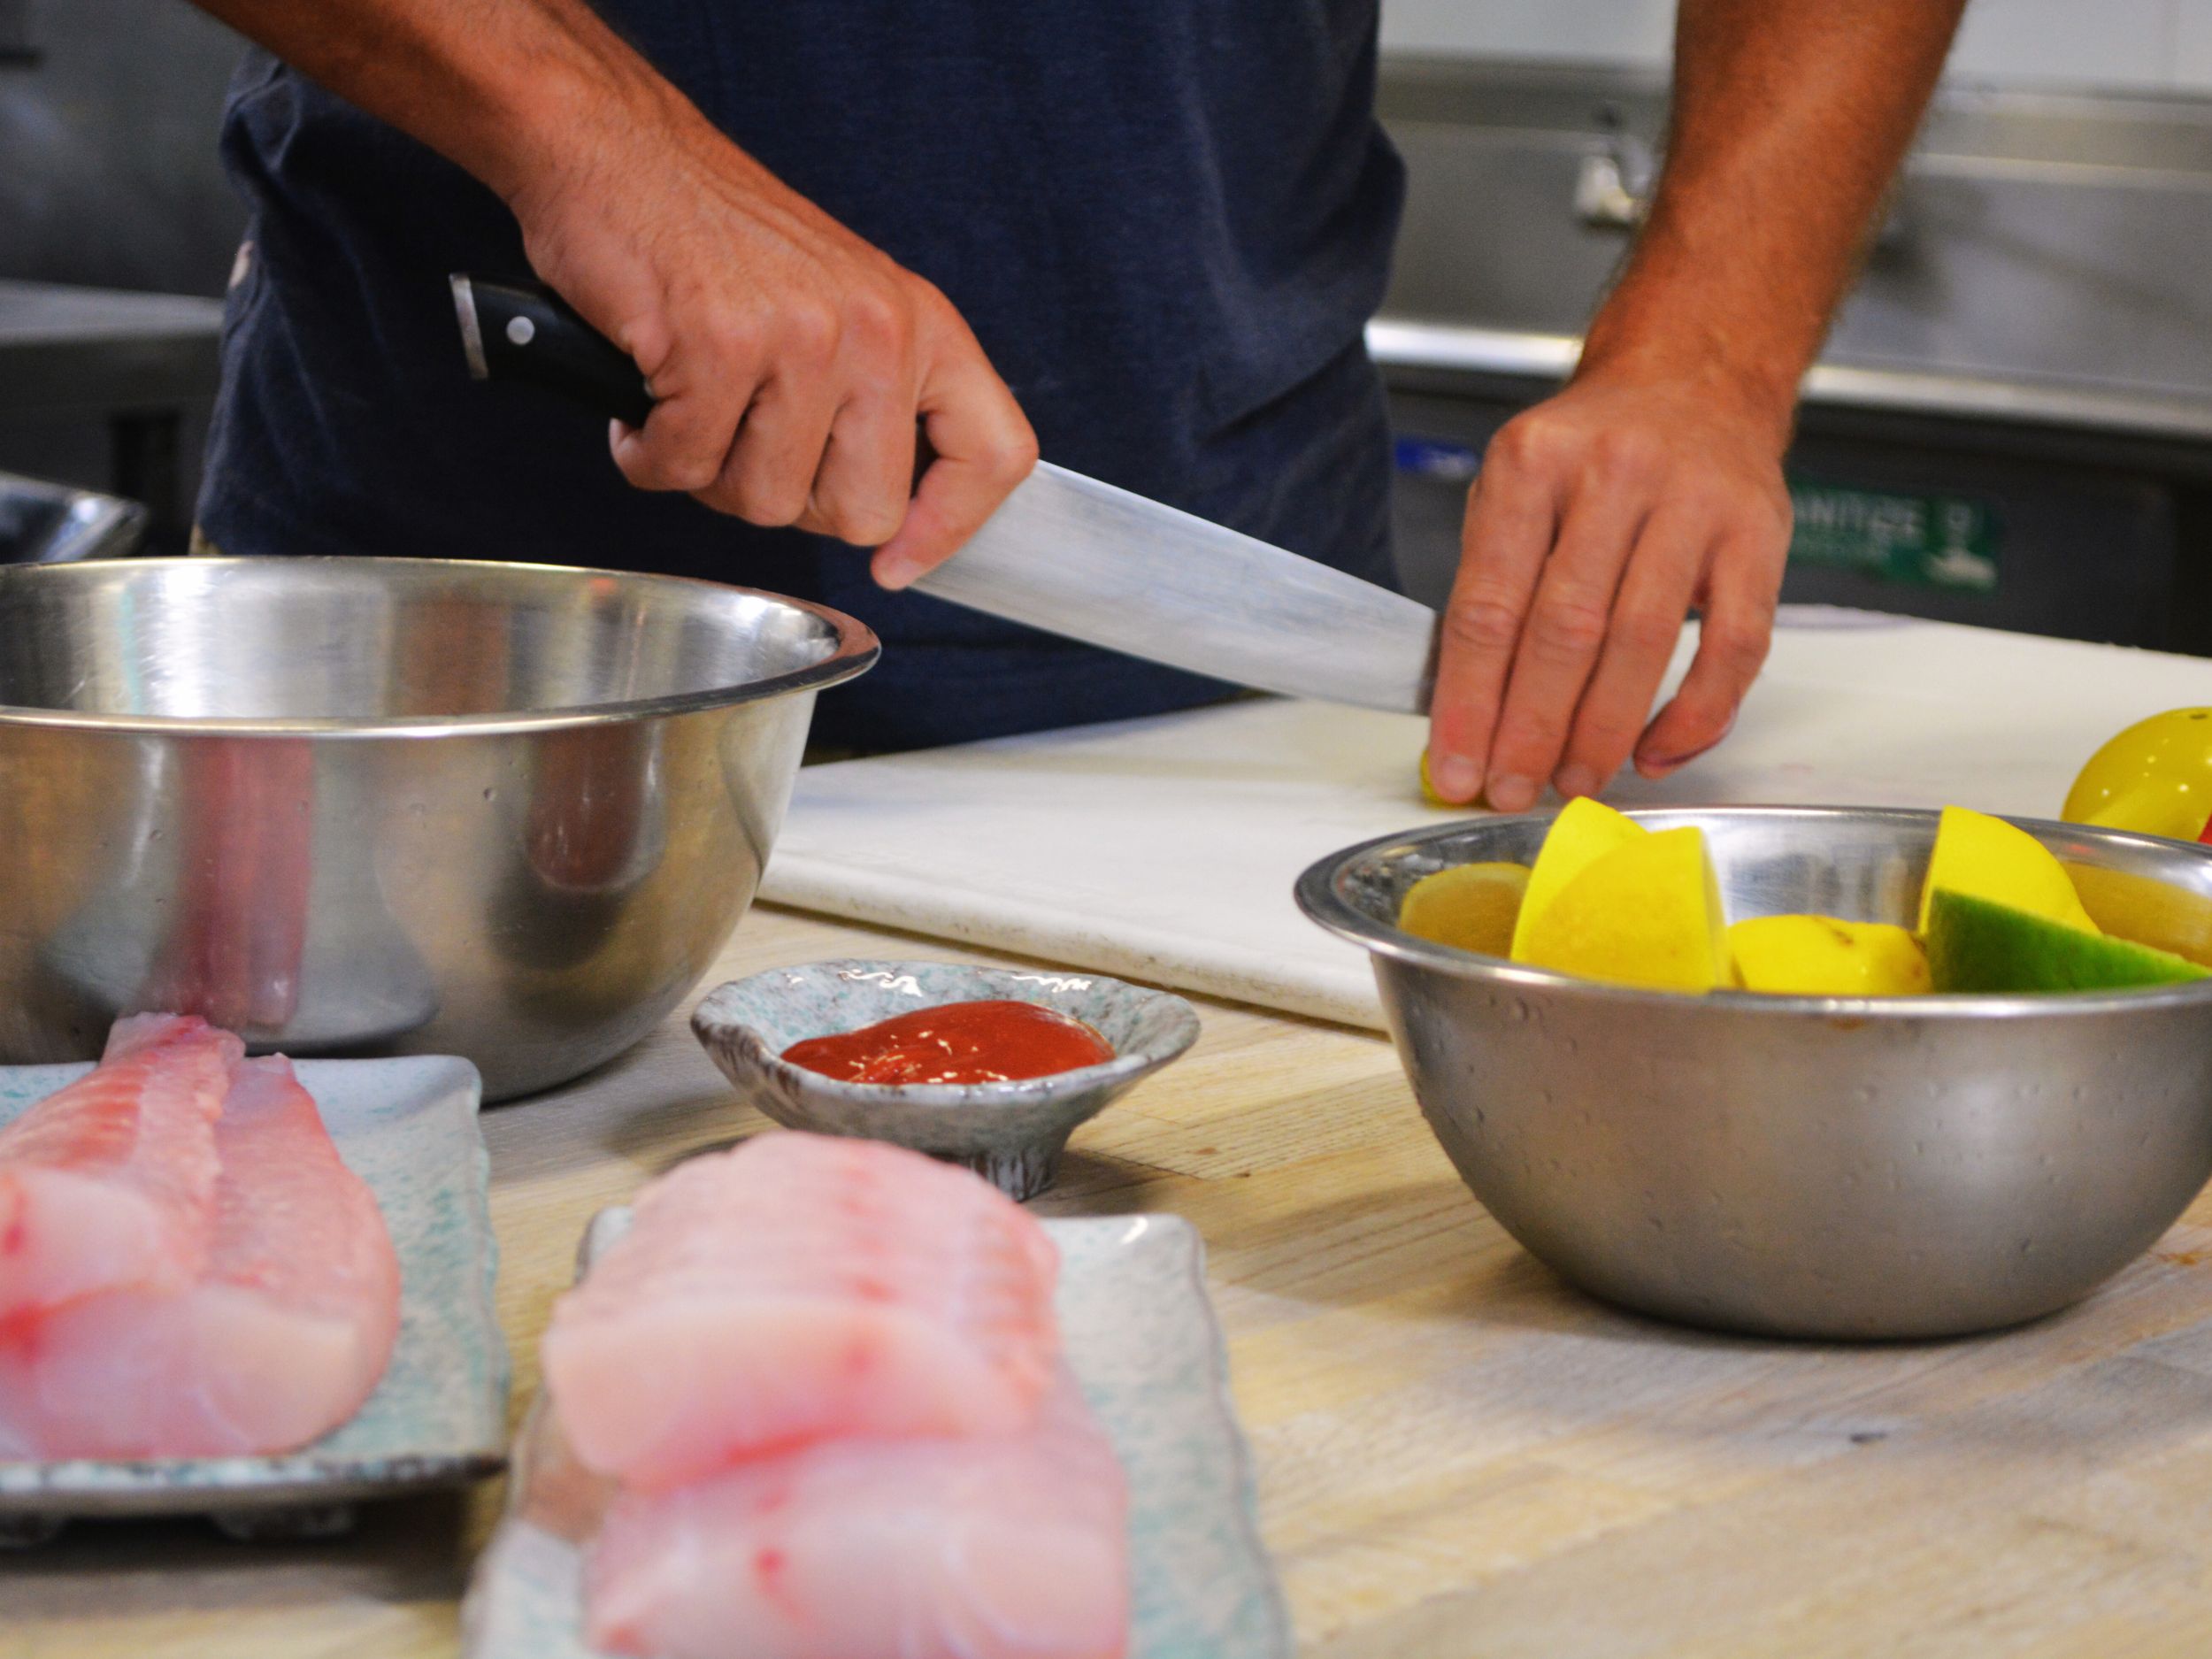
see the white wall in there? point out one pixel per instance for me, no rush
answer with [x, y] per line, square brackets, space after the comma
[2131, 45]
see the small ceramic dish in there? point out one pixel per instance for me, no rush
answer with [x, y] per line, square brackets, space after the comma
[1011, 1133]
[438, 1418]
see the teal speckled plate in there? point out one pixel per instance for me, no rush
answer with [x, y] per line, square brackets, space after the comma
[438, 1418]
[1141, 1339]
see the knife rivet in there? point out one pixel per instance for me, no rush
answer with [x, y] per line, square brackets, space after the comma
[521, 330]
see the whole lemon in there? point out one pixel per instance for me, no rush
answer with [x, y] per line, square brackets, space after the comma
[2156, 778]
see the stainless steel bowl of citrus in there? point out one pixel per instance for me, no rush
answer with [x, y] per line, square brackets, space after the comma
[1833, 1166]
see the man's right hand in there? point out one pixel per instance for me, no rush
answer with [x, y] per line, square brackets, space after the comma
[790, 359]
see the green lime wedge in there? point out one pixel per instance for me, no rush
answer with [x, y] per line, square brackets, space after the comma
[1977, 945]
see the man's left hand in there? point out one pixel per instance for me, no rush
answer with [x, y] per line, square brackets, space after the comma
[1600, 518]
[1653, 484]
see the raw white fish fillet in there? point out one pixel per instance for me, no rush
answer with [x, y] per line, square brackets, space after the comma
[797, 1288]
[111, 1181]
[1009, 1547]
[279, 1340]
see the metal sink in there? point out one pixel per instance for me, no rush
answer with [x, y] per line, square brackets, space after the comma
[2042, 259]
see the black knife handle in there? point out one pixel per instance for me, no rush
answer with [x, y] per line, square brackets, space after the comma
[522, 332]
[513, 331]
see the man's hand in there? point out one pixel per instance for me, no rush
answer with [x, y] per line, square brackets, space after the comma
[791, 360]
[1599, 520]
[1653, 484]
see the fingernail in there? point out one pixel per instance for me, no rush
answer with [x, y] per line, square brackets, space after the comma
[1456, 777]
[1512, 795]
[1660, 765]
[1576, 779]
[893, 573]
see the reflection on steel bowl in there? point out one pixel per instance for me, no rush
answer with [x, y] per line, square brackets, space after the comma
[1811, 1166]
[362, 806]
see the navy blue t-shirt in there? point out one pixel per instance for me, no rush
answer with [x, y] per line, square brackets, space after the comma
[1166, 222]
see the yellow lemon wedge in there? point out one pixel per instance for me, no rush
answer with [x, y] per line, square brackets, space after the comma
[1428, 788]
[1585, 831]
[1429, 797]
[2148, 911]
[1824, 956]
[1987, 858]
[1470, 906]
[1647, 912]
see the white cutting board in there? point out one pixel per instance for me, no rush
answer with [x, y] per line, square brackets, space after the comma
[1165, 848]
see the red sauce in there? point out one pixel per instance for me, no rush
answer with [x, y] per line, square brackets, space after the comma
[960, 1043]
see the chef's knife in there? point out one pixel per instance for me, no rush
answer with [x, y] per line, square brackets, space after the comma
[1065, 553]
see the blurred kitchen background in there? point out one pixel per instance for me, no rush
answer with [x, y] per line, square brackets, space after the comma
[2012, 425]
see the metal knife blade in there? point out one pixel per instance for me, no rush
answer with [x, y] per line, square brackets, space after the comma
[1074, 557]
[1066, 553]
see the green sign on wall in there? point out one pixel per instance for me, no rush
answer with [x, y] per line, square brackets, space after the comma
[1928, 540]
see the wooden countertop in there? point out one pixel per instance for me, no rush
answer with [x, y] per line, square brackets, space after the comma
[1457, 1454]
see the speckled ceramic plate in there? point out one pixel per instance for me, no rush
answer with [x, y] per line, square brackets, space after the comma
[408, 1128]
[1141, 1337]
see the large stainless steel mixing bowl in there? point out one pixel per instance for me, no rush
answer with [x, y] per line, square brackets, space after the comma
[360, 806]
[1900, 1167]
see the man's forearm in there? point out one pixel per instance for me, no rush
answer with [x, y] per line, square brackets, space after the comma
[1789, 123]
[496, 85]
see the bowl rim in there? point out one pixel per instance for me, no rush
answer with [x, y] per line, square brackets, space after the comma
[857, 651]
[1126, 1066]
[1320, 895]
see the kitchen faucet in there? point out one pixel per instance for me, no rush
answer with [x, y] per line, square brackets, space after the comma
[1613, 185]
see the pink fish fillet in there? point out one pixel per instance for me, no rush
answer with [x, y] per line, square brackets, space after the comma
[1011, 1548]
[112, 1181]
[278, 1341]
[797, 1288]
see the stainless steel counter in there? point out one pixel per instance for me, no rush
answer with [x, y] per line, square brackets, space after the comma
[77, 349]
[137, 363]
[1450, 348]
